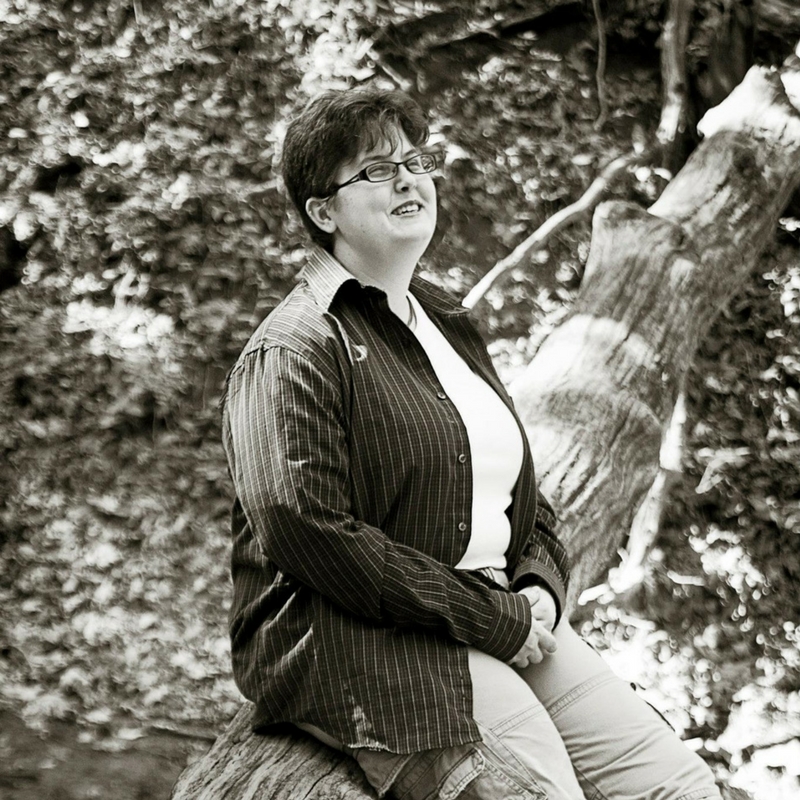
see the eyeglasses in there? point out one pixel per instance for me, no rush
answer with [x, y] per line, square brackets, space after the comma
[380, 171]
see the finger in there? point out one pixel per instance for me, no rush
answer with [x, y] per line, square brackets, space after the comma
[548, 642]
[535, 655]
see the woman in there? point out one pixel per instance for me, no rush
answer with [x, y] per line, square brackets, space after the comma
[398, 587]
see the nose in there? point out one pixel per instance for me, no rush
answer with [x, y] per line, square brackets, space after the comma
[405, 179]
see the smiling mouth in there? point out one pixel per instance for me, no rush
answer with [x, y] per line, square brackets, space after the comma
[411, 207]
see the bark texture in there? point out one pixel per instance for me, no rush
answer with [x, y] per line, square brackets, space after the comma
[242, 765]
[675, 109]
[601, 389]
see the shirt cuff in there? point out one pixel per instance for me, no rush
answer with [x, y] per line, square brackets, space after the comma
[509, 628]
[536, 574]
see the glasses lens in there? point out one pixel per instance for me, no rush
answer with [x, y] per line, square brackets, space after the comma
[382, 171]
[425, 162]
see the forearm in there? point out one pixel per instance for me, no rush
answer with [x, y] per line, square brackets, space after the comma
[364, 572]
[461, 605]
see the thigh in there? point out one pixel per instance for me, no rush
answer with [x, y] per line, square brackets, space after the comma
[516, 726]
[620, 747]
[520, 755]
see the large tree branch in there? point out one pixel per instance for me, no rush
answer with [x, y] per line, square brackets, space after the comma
[602, 387]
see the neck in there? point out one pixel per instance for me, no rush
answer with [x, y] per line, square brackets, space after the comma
[390, 272]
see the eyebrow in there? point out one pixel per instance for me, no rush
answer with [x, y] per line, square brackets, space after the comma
[374, 159]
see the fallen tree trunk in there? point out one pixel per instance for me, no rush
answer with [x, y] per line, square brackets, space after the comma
[601, 389]
[242, 765]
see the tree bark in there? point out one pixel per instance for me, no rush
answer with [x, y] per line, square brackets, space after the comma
[675, 123]
[602, 387]
[242, 764]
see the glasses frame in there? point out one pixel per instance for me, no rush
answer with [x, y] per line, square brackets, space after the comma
[364, 176]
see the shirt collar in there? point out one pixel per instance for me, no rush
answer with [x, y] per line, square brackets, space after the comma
[325, 275]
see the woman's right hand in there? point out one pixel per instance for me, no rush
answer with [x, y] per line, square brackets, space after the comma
[540, 643]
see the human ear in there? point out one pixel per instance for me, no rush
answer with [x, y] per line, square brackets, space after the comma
[317, 209]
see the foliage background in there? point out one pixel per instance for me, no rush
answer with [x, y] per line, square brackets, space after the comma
[143, 235]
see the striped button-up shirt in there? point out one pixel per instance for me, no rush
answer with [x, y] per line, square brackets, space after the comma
[352, 508]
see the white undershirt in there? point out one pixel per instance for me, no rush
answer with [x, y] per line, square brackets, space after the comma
[495, 442]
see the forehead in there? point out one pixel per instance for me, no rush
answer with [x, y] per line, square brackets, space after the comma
[381, 144]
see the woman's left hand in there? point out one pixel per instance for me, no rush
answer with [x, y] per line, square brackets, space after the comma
[543, 605]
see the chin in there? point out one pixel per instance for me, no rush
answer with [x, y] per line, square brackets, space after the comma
[421, 237]
[422, 230]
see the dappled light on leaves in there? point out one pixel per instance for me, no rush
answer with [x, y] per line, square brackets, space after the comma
[145, 235]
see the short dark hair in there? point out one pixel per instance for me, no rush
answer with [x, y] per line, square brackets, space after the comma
[335, 127]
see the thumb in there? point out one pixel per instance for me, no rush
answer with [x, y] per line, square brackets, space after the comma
[548, 642]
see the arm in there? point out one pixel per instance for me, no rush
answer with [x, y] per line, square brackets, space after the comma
[286, 445]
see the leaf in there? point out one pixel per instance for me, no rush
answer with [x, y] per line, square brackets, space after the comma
[102, 555]
[99, 716]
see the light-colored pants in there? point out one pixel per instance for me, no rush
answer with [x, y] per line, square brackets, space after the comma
[564, 729]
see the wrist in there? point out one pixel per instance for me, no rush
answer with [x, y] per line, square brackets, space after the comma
[532, 593]
[555, 588]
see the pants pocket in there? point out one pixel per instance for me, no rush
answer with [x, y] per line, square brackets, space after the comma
[465, 772]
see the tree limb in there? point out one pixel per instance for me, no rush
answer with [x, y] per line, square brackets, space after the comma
[602, 47]
[675, 122]
[602, 387]
[542, 235]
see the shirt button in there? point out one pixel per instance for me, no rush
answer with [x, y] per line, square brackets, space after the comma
[462, 458]
[441, 395]
[462, 526]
